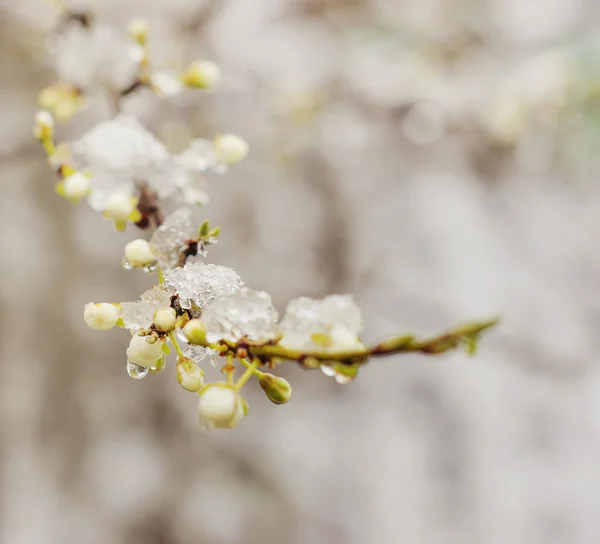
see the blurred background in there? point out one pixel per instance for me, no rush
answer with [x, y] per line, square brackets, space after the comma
[439, 160]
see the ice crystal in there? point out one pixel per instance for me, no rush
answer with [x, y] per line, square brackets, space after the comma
[244, 313]
[199, 284]
[200, 354]
[333, 322]
[172, 237]
[139, 315]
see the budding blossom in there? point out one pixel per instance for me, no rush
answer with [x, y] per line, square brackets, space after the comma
[189, 375]
[119, 206]
[101, 317]
[76, 186]
[138, 254]
[220, 407]
[202, 74]
[144, 350]
[165, 319]
[277, 389]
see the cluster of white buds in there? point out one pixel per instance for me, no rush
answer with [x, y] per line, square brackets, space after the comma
[203, 311]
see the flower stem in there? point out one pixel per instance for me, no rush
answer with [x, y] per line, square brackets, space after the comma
[255, 371]
[247, 375]
[231, 369]
[465, 335]
[175, 343]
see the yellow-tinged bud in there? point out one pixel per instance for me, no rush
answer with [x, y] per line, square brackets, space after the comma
[165, 318]
[102, 316]
[195, 332]
[202, 74]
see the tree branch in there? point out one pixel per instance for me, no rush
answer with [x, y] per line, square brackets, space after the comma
[466, 335]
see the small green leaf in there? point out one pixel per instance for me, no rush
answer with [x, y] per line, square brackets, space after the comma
[204, 229]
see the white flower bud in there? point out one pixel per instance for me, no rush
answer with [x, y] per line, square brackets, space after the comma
[230, 148]
[76, 186]
[220, 407]
[195, 332]
[100, 317]
[138, 30]
[189, 375]
[202, 74]
[118, 206]
[44, 124]
[164, 319]
[141, 353]
[139, 254]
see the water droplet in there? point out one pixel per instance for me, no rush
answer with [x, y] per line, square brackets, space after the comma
[136, 372]
[126, 264]
[150, 268]
[327, 370]
[343, 379]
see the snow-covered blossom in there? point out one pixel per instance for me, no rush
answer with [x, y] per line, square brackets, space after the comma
[245, 313]
[121, 154]
[331, 323]
[199, 284]
[140, 315]
[138, 254]
[101, 317]
[173, 237]
[220, 406]
[76, 186]
[144, 350]
[165, 318]
[97, 57]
